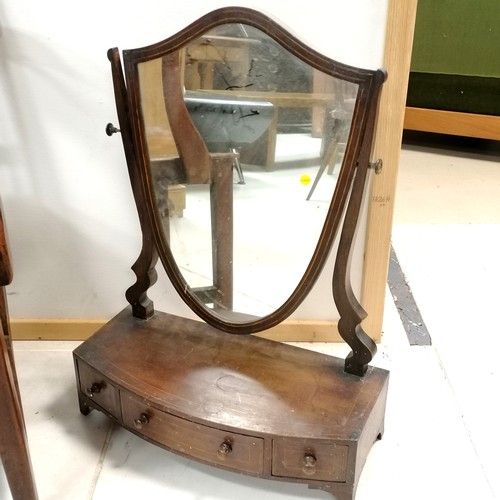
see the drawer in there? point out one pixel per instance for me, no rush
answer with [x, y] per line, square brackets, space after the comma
[99, 389]
[229, 450]
[305, 459]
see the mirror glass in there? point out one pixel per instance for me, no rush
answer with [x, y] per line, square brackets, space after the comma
[244, 143]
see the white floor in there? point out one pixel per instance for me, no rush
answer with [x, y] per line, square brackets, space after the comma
[441, 439]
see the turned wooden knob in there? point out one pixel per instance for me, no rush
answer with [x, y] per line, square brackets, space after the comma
[309, 464]
[95, 388]
[224, 450]
[111, 129]
[142, 420]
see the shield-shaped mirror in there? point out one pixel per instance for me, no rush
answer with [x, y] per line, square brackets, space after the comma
[247, 145]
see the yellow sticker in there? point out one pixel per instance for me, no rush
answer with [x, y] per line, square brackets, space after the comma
[305, 179]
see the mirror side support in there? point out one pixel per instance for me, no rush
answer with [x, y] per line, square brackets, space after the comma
[144, 266]
[351, 311]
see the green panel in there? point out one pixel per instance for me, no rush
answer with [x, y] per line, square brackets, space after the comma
[468, 94]
[459, 37]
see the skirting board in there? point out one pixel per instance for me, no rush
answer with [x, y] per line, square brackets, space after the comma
[452, 123]
[53, 329]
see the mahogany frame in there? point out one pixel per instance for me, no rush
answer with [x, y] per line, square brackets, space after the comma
[299, 415]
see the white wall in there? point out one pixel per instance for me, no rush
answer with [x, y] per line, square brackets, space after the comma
[67, 201]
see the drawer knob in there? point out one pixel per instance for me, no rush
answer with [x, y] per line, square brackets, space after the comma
[309, 464]
[141, 421]
[95, 388]
[224, 450]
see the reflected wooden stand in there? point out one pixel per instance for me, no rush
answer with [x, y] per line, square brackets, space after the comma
[13, 441]
[202, 167]
[202, 56]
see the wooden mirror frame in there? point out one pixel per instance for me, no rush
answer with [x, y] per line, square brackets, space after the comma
[346, 200]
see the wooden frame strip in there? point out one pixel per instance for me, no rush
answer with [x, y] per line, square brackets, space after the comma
[397, 56]
[452, 123]
[54, 329]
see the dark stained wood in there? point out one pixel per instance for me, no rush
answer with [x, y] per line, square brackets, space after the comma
[5, 265]
[199, 387]
[238, 402]
[221, 211]
[144, 267]
[231, 450]
[309, 459]
[13, 440]
[350, 310]
[5, 279]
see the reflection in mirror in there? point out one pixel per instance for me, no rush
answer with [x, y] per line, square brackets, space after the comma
[245, 142]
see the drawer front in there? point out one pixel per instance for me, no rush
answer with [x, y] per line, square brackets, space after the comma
[99, 389]
[309, 460]
[229, 450]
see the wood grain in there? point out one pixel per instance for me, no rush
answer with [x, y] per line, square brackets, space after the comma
[398, 46]
[452, 123]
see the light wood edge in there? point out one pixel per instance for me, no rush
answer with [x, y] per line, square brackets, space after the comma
[52, 329]
[304, 331]
[452, 123]
[397, 56]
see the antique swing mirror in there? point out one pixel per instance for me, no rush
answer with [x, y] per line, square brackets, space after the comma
[224, 125]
